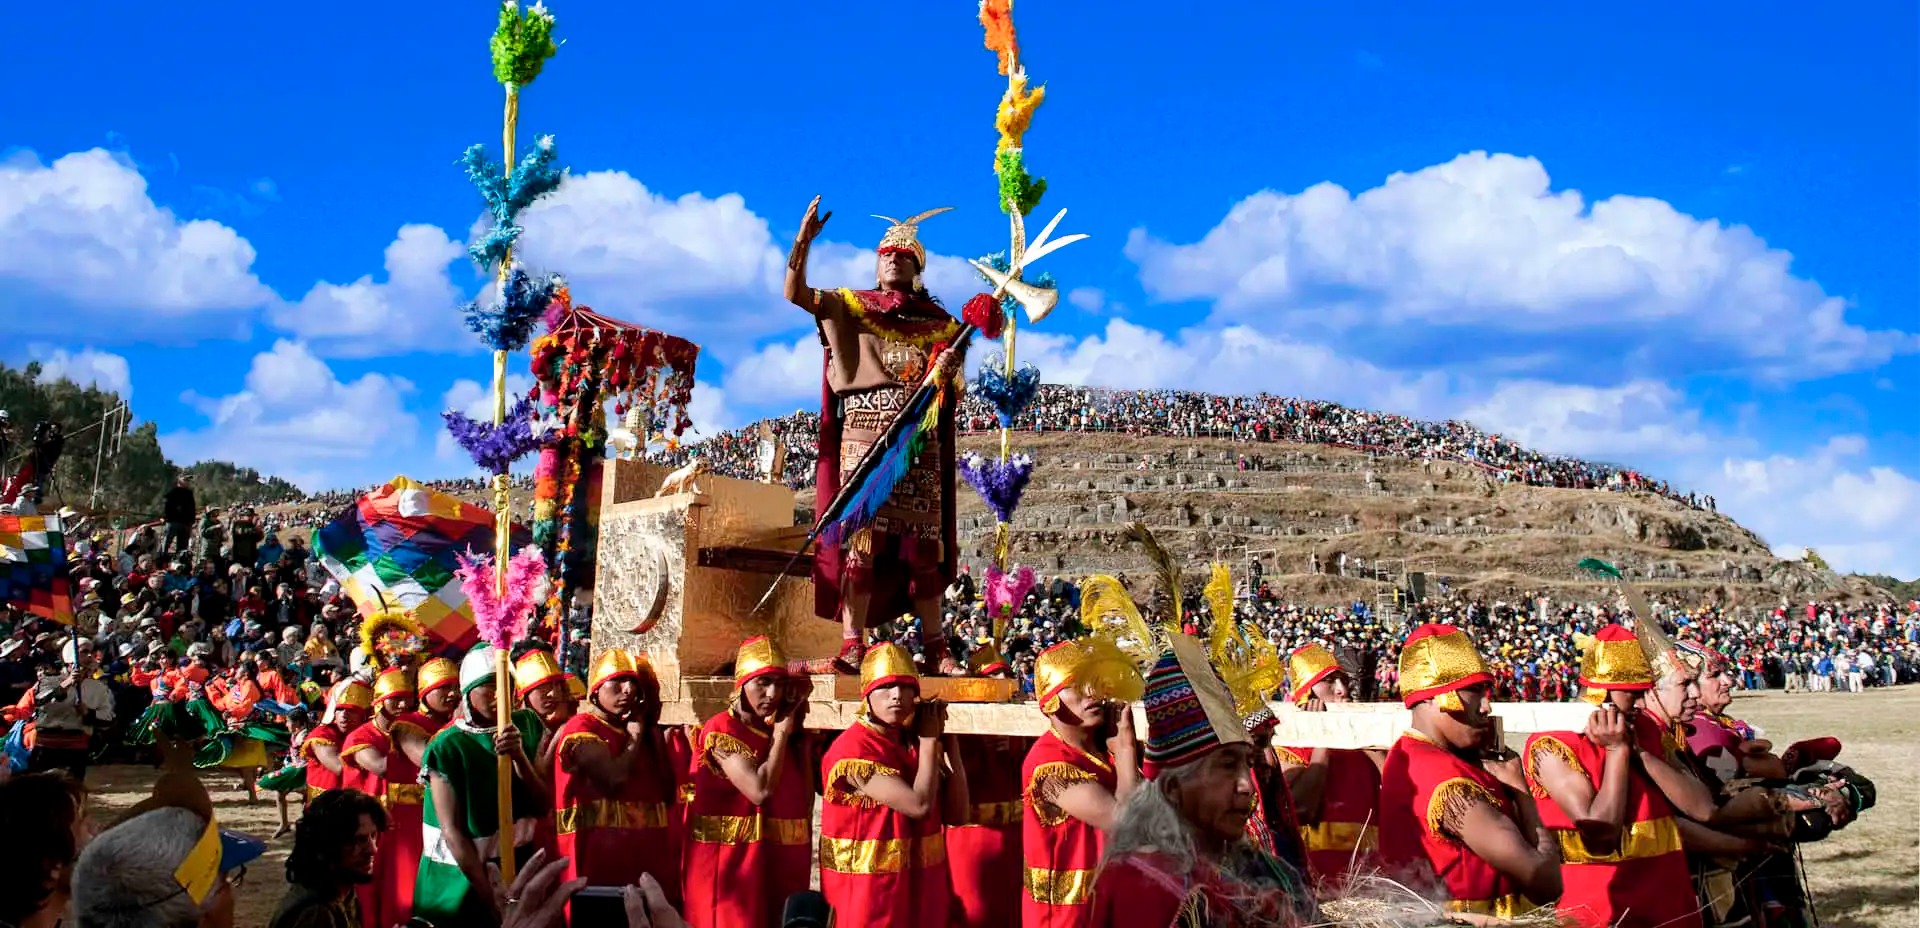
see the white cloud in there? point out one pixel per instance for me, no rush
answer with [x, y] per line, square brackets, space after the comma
[1861, 517]
[82, 242]
[86, 367]
[705, 268]
[415, 308]
[1235, 359]
[710, 411]
[293, 417]
[1087, 298]
[778, 374]
[1639, 417]
[1483, 242]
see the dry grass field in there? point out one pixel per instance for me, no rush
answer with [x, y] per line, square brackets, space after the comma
[1867, 876]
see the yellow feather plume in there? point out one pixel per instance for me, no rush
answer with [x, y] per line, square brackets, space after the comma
[1249, 665]
[388, 633]
[1016, 110]
[1106, 672]
[1219, 596]
[1108, 612]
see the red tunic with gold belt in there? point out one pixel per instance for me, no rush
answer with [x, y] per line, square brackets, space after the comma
[675, 742]
[743, 860]
[1062, 853]
[388, 900]
[983, 853]
[878, 867]
[1420, 780]
[1344, 837]
[613, 838]
[1644, 881]
[319, 778]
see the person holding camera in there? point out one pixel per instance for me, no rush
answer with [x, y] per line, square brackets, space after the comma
[750, 825]
[1455, 811]
[1079, 772]
[883, 860]
[613, 783]
[1620, 851]
[1336, 792]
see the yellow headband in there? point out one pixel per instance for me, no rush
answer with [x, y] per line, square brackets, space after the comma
[197, 873]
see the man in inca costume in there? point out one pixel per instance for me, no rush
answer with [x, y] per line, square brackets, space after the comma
[880, 344]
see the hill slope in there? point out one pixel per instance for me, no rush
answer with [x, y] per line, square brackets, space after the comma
[1295, 504]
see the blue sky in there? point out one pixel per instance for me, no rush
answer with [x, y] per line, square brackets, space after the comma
[1679, 238]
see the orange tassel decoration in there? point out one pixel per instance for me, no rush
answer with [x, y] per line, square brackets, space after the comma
[997, 16]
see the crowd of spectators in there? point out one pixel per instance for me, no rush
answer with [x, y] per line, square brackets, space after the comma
[235, 589]
[1531, 644]
[1185, 414]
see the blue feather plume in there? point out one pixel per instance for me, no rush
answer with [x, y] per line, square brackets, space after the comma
[1007, 395]
[508, 324]
[507, 194]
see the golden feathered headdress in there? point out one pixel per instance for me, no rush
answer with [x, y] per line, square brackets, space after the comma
[904, 234]
[389, 633]
[1106, 611]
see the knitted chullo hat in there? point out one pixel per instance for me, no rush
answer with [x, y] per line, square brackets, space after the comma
[1189, 710]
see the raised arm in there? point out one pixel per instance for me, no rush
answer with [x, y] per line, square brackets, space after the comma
[757, 781]
[797, 291]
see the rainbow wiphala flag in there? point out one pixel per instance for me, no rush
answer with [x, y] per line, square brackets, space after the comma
[33, 567]
[398, 543]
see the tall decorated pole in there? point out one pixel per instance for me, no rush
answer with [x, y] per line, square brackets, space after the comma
[1006, 388]
[501, 587]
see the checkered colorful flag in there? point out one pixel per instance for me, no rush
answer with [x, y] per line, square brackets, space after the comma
[33, 567]
[398, 543]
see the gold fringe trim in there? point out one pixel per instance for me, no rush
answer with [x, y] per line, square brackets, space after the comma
[719, 745]
[1550, 745]
[1047, 778]
[1447, 801]
[854, 768]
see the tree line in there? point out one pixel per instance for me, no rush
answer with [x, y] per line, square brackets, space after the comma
[135, 474]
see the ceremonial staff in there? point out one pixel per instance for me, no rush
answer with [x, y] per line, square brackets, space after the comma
[521, 44]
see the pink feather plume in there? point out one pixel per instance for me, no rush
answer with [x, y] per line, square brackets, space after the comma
[1006, 591]
[502, 619]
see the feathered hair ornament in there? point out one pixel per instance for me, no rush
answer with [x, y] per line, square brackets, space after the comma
[389, 633]
[1107, 611]
[502, 617]
[1165, 568]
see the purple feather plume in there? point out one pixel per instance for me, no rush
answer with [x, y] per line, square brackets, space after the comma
[494, 448]
[997, 483]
